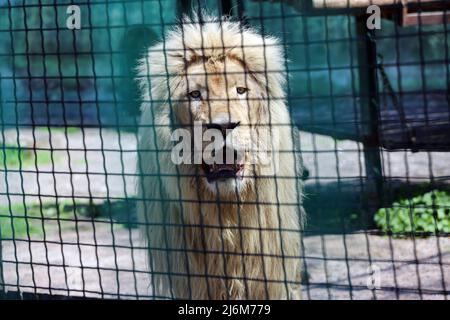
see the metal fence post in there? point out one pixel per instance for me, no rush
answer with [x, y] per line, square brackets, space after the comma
[369, 103]
[2, 281]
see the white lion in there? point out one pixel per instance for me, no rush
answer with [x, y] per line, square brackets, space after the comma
[220, 231]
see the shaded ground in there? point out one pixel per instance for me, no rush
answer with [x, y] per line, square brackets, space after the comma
[337, 265]
[341, 266]
[426, 113]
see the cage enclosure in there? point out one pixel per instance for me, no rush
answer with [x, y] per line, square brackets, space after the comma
[369, 111]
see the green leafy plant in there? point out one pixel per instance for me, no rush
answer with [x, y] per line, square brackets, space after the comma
[428, 213]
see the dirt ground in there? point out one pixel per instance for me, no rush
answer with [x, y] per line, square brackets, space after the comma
[338, 266]
[101, 164]
[105, 260]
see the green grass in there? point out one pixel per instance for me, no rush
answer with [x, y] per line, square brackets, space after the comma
[60, 129]
[428, 213]
[12, 156]
[19, 221]
[16, 224]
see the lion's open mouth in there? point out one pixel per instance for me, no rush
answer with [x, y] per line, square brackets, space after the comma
[220, 172]
[223, 171]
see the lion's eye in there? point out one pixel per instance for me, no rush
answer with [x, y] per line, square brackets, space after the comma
[241, 90]
[195, 94]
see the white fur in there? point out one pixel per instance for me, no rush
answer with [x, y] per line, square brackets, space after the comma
[218, 240]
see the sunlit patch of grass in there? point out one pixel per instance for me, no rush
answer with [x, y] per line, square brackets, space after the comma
[33, 220]
[19, 220]
[12, 157]
[69, 130]
[14, 222]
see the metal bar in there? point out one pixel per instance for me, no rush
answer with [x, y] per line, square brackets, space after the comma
[226, 7]
[241, 12]
[424, 18]
[2, 281]
[369, 103]
[17, 295]
[388, 8]
[347, 4]
[184, 7]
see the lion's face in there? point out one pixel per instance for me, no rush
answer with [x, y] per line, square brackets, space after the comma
[229, 105]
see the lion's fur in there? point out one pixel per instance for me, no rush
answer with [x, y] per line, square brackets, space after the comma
[206, 245]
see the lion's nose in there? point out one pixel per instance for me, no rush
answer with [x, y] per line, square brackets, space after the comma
[222, 126]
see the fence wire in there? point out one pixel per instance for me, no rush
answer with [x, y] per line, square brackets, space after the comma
[353, 118]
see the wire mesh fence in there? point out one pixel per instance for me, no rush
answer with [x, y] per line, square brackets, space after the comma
[327, 175]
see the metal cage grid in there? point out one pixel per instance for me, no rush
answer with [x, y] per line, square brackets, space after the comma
[372, 107]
